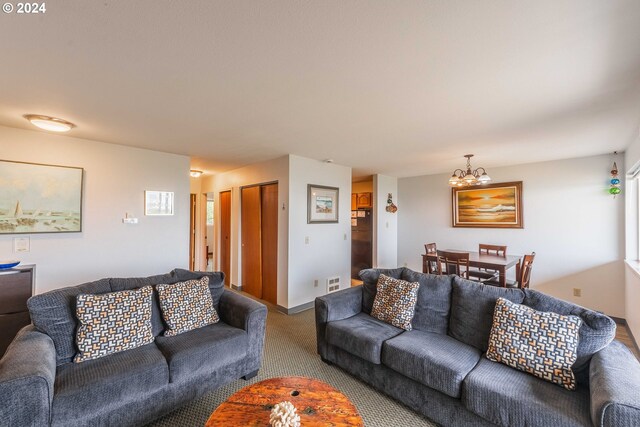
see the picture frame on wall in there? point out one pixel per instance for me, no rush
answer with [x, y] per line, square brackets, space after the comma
[158, 203]
[322, 204]
[39, 198]
[488, 206]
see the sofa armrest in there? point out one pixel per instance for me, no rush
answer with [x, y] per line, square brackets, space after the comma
[244, 313]
[614, 382]
[27, 376]
[336, 306]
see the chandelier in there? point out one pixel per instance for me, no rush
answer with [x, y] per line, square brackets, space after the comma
[461, 178]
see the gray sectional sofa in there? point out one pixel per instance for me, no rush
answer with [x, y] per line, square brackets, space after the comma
[41, 386]
[439, 369]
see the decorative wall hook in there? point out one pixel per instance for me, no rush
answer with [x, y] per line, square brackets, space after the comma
[390, 206]
[614, 182]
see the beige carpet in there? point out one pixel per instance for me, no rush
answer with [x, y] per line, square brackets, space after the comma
[290, 349]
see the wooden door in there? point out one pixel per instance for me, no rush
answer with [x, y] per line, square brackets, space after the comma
[192, 233]
[269, 242]
[251, 241]
[225, 235]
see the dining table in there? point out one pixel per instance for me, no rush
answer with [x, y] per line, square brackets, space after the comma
[490, 262]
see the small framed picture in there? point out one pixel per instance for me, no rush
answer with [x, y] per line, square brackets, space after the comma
[159, 203]
[322, 204]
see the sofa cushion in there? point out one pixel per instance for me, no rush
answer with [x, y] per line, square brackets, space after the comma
[86, 389]
[369, 279]
[472, 306]
[434, 301]
[216, 282]
[54, 313]
[596, 332]
[508, 397]
[543, 344]
[361, 335]
[200, 352]
[186, 306]
[395, 301]
[113, 322]
[435, 360]
[124, 283]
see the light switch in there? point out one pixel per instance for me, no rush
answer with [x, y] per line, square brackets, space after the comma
[306, 240]
[21, 244]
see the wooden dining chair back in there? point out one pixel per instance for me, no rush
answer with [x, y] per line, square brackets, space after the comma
[483, 274]
[431, 249]
[496, 250]
[454, 263]
[525, 270]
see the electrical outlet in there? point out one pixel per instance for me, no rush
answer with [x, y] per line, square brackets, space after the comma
[306, 240]
[577, 292]
[315, 283]
[345, 236]
[406, 265]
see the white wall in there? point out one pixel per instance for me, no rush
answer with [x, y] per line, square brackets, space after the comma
[115, 179]
[385, 224]
[276, 170]
[328, 252]
[571, 222]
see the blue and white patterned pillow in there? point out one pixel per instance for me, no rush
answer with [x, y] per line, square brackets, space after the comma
[186, 306]
[395, 301]
[540, 343]
[113, 322]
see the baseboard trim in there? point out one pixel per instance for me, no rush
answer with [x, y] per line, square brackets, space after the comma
[297, 309]
[619, 320]
[633, 340]
[235, 287]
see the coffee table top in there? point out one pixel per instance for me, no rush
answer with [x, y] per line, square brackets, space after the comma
[318, 404]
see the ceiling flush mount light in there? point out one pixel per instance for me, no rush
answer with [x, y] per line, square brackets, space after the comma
[195, 173]
[49, 123]
[461, 178]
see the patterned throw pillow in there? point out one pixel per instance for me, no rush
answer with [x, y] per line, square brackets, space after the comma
[186, 306]
[113, 322]
[395, 301]
[542, 344]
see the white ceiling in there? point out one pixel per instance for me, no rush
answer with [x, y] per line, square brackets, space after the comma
[394, 87]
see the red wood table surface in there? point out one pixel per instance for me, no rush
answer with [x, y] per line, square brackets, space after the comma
[318, 404]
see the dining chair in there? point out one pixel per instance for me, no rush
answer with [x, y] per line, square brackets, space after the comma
[523, 281]
[453, 263]
[431, 249]
[482, 274]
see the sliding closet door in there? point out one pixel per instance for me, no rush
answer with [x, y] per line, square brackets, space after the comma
[251, 241]
[269, 242]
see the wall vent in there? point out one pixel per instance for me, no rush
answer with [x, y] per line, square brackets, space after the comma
[333, 284]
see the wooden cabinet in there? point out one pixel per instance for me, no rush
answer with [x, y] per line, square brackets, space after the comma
[363, 200]
[16, 286]
[354, 201]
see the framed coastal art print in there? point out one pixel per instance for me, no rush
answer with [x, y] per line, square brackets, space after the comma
[38, 198]
[488, 206]
[158, 203]
[322, 204]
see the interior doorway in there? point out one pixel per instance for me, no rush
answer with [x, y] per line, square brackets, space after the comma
[259, 241]
[209, 236]
[225, 235]
[361, 227]
[192, 232]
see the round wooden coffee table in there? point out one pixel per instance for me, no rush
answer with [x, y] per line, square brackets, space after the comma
[318, 404]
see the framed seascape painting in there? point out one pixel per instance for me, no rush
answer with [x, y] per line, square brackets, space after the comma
[322, 204]
[37, 198]
[489, 206]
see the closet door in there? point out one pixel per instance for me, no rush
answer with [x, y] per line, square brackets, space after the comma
[251, 241]
[269, 242]
[225, 235]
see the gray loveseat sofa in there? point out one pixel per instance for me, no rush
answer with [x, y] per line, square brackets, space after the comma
[41, 386]
[439, 369]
